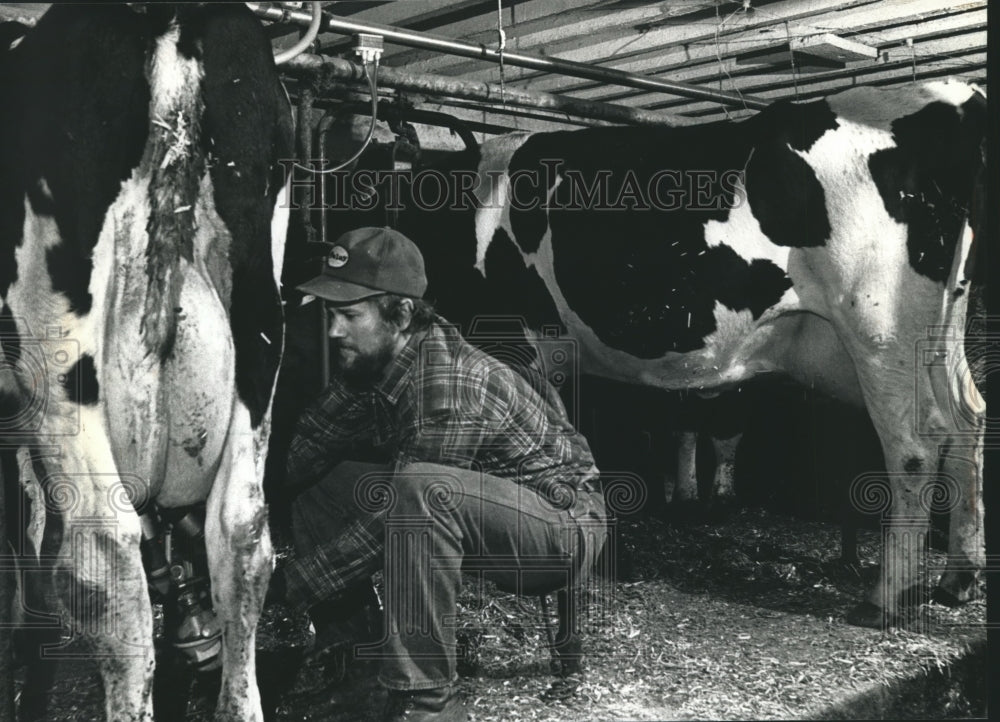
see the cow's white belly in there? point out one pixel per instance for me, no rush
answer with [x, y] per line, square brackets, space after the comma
[167, 419]
[169, 422]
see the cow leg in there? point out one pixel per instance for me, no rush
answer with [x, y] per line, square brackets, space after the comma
[899, 395]
[961, 489]
[120, 616]
[6, 598]
[725, 418]
[240, 560]
[723, 486]
[911, 425]
[102, 587]
[904, 532]
[686, 488]
[35, 589]
[849, 545]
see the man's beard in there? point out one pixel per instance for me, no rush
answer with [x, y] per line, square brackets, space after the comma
[363, 370]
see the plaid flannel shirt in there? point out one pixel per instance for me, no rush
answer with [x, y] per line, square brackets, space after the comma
[441, 401]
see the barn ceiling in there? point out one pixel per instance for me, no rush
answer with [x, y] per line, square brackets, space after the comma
[757, 49]
[742, 48]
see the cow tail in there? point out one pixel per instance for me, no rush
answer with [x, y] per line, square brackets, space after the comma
[175, 162]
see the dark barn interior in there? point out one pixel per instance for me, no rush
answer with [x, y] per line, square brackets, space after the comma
[706, 608]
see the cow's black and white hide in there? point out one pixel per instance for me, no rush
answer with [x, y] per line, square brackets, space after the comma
[141, 240]
[826, 241]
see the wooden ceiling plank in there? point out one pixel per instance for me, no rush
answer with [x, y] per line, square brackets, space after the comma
[686, 64]
[955, 51]
[851, 22]
[524, 20]
[709, 68]
[406, 11]
[493, 116]
[400, 14]
[703, 72]
[678, 62]
[538, 23]
[744, 38]
[614, 45]
[900, 73]
[833, 47]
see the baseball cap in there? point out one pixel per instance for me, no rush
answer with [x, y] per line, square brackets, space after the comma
[369, 261]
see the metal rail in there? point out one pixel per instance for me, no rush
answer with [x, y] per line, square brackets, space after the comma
[610, 76]
[439, 85]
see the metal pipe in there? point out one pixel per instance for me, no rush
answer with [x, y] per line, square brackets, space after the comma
[306, 40]
[437, 85]
[571, 68]
[389, 111]
[305, 129]
[328, 119]
[325, 123]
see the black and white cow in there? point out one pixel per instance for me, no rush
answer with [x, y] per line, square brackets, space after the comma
[824, 240]
[141, 242]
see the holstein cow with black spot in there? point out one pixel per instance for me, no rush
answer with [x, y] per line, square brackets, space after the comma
[823, 240]
[141, 241]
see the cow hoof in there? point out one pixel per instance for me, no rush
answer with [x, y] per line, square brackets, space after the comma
[868, 615]
[949, 599]
[945, 598]
[955, 589]
[562, 689]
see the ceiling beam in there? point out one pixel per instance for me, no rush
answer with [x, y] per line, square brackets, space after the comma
[446, 45]
[609, 42]
[729, 43]
[699, 63]
[400, 14]
[532, 24]
[826, 50]
[337, 69]
[933, 53]
[740, 78]
[902, 73]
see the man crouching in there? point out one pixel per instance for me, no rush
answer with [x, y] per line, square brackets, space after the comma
[477, 468]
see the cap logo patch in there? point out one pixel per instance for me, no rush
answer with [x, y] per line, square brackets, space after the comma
[338, 257]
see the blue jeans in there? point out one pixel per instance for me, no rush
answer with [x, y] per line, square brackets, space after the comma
[439, 522]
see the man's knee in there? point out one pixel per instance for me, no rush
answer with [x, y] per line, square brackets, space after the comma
[422, 488]
[316, 513]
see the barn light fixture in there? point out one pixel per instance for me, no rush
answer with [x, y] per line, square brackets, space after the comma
[820, 52]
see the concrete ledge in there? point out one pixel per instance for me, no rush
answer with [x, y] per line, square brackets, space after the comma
[958, 689]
